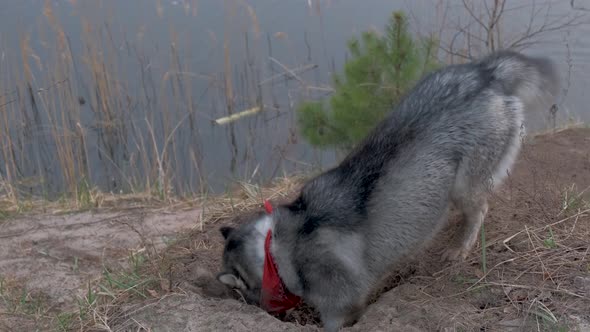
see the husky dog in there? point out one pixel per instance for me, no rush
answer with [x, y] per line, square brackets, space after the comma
[451, 140]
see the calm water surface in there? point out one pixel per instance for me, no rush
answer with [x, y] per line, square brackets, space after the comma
[167, 63]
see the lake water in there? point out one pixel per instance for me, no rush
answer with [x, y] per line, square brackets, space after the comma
[152, 116]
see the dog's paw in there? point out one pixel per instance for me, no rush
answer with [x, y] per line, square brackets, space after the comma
[454, 254]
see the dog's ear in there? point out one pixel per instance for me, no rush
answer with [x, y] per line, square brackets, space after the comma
[226, 231]
[231, 280]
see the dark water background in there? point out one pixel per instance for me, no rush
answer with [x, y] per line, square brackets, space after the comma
[167, 70]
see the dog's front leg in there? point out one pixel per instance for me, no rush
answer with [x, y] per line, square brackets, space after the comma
[335, 320]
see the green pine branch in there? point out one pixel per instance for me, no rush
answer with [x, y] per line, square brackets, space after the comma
[381, 69]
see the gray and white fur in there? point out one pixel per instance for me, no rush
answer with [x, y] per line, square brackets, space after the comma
[451, 140]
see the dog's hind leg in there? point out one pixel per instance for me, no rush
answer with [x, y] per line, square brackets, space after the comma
[474, 207]
[474, 213]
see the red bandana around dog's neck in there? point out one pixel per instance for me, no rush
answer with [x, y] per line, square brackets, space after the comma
[274, 296]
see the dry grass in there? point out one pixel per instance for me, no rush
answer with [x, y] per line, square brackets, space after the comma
[215, 208]
[95, 200]
[247, 198]
[17, 301]
[537, 270]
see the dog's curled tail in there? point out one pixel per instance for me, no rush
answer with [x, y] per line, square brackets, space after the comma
[533, 80]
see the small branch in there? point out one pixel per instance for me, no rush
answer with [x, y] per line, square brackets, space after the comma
[548, 26]
[472, 14]
[301, 69]
[237, 116]
[573, 5]
[289, 71]
[39, 90]
[7, 103]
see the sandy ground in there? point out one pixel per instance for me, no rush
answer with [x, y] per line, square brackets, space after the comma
[55, 257]
[535, 272]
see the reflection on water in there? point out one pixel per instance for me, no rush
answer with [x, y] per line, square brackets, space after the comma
[125, 92]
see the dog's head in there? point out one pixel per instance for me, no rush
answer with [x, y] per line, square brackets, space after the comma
[243, 257]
